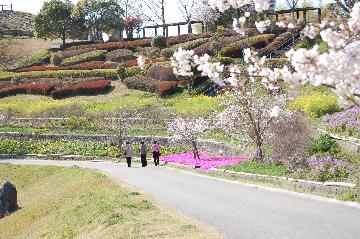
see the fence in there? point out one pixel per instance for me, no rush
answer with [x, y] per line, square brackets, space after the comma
[6, 7]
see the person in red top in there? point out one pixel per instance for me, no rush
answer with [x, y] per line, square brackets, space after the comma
[156, 153]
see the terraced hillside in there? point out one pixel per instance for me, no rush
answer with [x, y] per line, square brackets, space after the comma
[90, 68]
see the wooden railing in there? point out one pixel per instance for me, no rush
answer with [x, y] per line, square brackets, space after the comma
[6, 7]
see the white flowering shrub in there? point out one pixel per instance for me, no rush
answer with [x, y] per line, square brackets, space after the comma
[189, 129]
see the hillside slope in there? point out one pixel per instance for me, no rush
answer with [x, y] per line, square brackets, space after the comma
[14, 20]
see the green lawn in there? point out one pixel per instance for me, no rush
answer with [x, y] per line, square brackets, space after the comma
[259, 168]
[77, 203]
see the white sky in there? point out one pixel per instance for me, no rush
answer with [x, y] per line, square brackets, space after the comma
[172, 12]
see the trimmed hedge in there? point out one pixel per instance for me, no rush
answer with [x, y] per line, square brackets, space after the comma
[89, 56]
[139, 82]
[120, 55]
[158, 42]
[79, 43]
[27, 88]
[83, 88]
[92, 65]
[58, 57]
[167, 88]
[168, 52]
[106, 73]
[161, 73]
[278, 63]
[234, 49]
[174, 40]
[116, 45]
[40, 58]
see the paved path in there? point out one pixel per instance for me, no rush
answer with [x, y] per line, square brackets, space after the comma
[235, 209]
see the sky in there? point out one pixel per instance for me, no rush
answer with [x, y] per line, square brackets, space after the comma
[34, 6]
[172, 13]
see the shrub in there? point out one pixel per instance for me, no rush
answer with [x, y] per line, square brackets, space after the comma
[79, 43]
[120, 55]
[324, 145]
[56, 59]
[167, 88]
[106, 73]
[90, 56]
[224, 60]
[290, 140]
[170, 41]
[235, 49]
[278, 63]
[316, 103]
[82, 66]
[71, 53]
[82, 88]
[143, 83]
[344, 122]
[116, 45]
[158, 42]
[40, 58]
[203, 49]
[161, 73]
[328, 168]
[168, 52]
[27, 88]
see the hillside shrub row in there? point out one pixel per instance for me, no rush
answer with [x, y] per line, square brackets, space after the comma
[134, 62]
[116, 45]
[167, 88]
[83, 88]
[106, 73]
[161, 73]
[120, 55]
[92, 65]
[29, 88]
[79, 43]
[89, 56]
[234, 49]
[40, 58]
[280, 39]
[174, 40]
[168, 52]
[139, 82]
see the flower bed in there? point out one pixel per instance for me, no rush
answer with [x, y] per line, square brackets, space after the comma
[134, 62]
[115, 45]
[205, 162]
[344, 122]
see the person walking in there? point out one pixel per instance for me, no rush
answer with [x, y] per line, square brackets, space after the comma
[143, 154]
[156, 152]
[129, 153]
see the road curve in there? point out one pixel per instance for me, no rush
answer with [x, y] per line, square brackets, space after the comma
[234, 209]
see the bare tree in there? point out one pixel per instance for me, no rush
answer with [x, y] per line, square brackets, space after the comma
[132, 8]
[157, 12]
[187, 8]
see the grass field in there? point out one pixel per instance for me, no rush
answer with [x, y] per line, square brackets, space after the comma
[119, 98]
[77, 203]
[14, 50]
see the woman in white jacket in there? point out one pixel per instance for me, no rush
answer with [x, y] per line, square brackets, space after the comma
[129, 153]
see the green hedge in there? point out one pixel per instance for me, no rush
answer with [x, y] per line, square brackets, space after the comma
[143, 83]
[120, 55]
[90, 56]
[79, 43]
[168, 52]
[106, 73]
[40, 58]
[248, 42]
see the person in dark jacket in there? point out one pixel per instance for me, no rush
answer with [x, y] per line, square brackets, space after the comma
[143, 154]
[156, 153]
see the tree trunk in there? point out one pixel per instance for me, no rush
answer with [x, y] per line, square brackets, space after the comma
[195, 150]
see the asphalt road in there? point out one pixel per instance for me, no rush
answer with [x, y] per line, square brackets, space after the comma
[234, 209]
